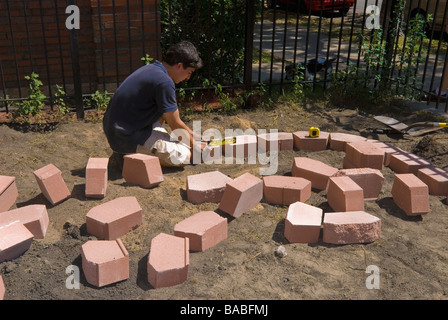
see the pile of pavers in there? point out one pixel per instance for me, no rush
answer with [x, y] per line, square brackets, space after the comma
[106, 260]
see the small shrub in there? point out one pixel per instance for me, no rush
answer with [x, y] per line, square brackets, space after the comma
[30, 108]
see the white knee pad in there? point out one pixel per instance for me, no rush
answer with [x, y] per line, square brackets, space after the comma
[172, 154]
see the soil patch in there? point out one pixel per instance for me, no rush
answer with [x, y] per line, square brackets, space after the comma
[411, 254]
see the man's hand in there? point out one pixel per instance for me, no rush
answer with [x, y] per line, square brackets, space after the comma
[175, 122]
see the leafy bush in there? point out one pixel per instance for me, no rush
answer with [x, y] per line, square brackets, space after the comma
[216, 28]
[32, 106]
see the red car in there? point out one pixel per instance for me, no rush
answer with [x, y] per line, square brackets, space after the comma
[316, 5]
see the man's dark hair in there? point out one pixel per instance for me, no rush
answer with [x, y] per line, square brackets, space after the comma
[184, 52]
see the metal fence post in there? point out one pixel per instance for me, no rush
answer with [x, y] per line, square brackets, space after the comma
[77, 82]
[249, 45]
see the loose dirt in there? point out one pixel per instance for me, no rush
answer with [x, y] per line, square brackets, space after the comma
[411, 253]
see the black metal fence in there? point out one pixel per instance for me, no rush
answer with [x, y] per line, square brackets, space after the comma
[247, 42]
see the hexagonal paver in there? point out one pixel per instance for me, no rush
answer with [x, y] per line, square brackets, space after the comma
[303, 223]
[206, 187]
[105, 261]
[205, 229]
[168, 260]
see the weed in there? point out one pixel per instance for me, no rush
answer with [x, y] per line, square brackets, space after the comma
[61, 102]
[147, 59]
[32, 106]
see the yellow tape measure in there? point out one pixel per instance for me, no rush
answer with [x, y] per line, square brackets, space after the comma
[220, 142]
[314, 132]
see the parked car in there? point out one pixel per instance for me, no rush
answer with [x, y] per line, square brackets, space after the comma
[436, 8]
[316, 6]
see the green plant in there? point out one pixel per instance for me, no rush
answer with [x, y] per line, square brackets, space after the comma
[394, 77]
[31, 106]
[298, 84]
[60, 100]
[412, 53]
[216, 28]
[98, 100]
[227, 105]
[147, 59]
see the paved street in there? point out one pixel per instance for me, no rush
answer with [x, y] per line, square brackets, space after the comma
[291, 44]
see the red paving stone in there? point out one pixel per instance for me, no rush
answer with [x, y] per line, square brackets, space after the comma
[142, 169]
[303, 223]
[285, 190]
[350, 227]
[241, 195]
[406, 162]
[105, 262]
[411, 194]
[303, 141]
[246, 146]
[206, 187]
[114, 218]
[338, 140]
[313, 170]
[363, 154]
[168, 260]
[8, 192]
[370, 180]
[33, 217]
[15, 239]
[2, 288]
[344, 194]
[51, 183]
[435, 178]
[204, 229]
[283, 140]
[96, 177]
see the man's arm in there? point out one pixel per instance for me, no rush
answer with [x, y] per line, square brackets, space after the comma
[175, 122]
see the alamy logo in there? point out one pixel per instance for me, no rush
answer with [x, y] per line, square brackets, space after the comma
[373, 280]
[373, 21]
[73, 20]
[72, 281]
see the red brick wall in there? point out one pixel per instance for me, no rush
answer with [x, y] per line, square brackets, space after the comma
[36, 39]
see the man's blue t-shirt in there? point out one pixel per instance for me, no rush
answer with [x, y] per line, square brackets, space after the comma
[139, 102]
